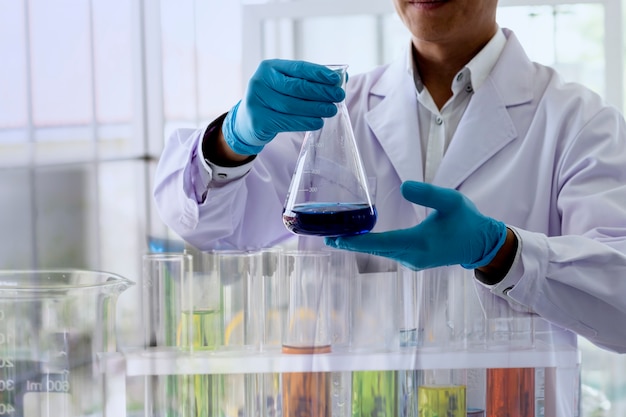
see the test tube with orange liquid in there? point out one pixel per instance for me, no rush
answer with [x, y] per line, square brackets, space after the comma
[511, 392]
[307, 332]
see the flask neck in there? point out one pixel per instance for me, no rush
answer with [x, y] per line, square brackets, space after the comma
[342, 71]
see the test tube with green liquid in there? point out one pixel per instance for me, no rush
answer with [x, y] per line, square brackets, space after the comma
[374, 328]
[200, 329]
[374, 394]
[173, 320]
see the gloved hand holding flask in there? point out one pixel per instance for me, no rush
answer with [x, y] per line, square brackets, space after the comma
[282, 96]
[454, 233]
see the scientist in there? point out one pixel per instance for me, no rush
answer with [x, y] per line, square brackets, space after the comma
[482, 158]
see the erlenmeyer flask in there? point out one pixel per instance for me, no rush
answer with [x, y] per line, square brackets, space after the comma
[329, 194]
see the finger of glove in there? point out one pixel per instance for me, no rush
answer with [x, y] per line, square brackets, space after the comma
[384, 242]
[299, 88]
[302, 69]
[441, 199]
[288, 123]
[298, 79]
[288, 106]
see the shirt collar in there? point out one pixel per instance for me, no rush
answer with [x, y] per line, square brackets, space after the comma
[479, 67]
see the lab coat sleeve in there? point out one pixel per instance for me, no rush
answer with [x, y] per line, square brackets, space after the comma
[245, 213]
[577, 278]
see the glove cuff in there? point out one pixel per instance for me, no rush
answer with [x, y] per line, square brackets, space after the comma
[485, 260]
[233, 140]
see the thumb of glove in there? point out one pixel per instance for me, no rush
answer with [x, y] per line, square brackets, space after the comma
[484, 234]
[428, 195]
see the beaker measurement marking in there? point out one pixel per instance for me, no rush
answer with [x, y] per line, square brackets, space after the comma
[6, 409]
[51, 385]
[6, 363]
[7, 385]
[309, 190]
[6, 338]
[312, 171]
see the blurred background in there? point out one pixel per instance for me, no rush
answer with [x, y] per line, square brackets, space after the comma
[91, 89]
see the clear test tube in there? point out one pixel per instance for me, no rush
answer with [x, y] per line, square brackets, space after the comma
[475, 329]
[275, 297]
[442, 393]
[476, 392]
[166, 279]
[410, 334]
[343, 270]
[508, 327]
[240, 277]
[307, 332]
[375, 329]
[274, 294]
[408, 308]
[475, 318]
[442, 308]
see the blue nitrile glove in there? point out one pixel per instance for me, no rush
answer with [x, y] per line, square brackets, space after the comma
[282, 96]
[454, 233]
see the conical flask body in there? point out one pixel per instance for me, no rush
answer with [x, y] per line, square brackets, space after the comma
[329, 193]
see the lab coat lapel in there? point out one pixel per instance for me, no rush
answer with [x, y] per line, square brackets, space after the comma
[394, 119]
[486, 127]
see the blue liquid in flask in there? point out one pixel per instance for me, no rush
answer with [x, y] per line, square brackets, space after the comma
[330, 219]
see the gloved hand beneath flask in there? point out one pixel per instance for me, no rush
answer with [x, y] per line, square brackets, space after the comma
[454, 233]
[282, 96]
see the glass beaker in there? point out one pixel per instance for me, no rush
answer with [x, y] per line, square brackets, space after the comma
[328, 194]
[53, 327]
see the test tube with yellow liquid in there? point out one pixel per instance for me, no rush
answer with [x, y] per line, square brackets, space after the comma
[442, 394]
[307, 332]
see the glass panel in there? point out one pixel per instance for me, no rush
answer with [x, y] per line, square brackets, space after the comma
[16, 213]
[61, 68]
[122, 188]
[396, 37]
[567, 37]
[278, 38]
[179, 60]
[218, 46]
[603, 381]
[13, 100]
[113, 61]
[339, 40]
[351, 40]
[65, 224]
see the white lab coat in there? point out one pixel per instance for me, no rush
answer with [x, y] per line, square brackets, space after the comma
[545, 157]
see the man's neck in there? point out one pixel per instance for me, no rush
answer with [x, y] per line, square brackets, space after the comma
[438, 64]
